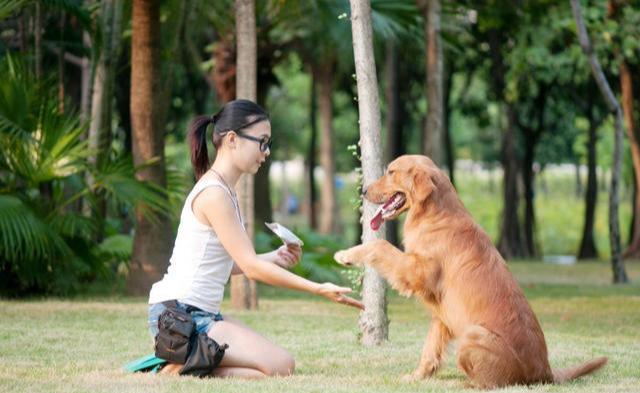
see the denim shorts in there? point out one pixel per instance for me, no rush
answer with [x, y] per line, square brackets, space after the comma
[203, 319]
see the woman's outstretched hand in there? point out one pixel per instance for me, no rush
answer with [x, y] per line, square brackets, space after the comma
[337, 294]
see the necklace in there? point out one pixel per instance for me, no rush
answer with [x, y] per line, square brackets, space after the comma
[224, 182]
[234, 197]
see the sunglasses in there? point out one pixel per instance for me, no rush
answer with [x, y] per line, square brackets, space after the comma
[265, 142]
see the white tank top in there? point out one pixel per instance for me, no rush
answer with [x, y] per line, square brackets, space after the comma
[199, 265]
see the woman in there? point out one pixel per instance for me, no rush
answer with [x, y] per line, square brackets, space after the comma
[212, 244]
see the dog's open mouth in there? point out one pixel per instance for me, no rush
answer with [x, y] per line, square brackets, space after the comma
[387, 210]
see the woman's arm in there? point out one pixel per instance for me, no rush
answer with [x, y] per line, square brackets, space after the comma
[218, 209]
[285, 256]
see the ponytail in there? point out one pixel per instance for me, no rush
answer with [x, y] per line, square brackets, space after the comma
[198, 144]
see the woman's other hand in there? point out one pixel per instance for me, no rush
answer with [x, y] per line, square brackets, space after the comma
[288, 256]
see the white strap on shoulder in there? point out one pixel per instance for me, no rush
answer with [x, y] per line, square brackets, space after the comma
[201, 185]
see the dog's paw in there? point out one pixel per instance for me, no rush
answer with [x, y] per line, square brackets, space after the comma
[342, 257]
[412, 377]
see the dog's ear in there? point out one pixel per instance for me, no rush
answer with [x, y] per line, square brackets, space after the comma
[422, 184]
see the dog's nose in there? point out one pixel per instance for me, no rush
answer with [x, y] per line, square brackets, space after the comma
[364, 191]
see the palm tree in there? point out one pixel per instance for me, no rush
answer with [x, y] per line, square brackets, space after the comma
[152, 240]
[433, 132]
[244, 291]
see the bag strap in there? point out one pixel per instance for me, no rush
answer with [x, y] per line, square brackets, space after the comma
[172, 304]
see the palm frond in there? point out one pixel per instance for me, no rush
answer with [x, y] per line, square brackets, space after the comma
[117, 180]
[37, 142]
[8, 7]
[178, 185]
[117, 247]
[395, 18]
[24, 236]
[61, 151]
[71, 224]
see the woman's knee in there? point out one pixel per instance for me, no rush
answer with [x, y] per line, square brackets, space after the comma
[281, 365]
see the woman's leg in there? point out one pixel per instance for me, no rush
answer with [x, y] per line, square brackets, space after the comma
[249, 355]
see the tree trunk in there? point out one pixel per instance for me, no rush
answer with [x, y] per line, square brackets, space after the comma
[328, 203]
[312, 196]
[61, 92]
[244, 291]
[626, 86]
[152, 240]
[224, 72]
[263, 211]
[101, 106]
[37, 37]
[579, 187]
[433, 132]
[123, 107]
[528, 177]
[261, 186]
[617, 264]
[588, 248]
[511, 243]
[85, 89]
[448, 138]
[532, 136]
[393, 122]
[374, 323]
[122, 97]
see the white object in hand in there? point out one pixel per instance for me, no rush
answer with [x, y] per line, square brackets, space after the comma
[284, 234]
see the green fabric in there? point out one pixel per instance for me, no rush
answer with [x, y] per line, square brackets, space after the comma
[146, 363]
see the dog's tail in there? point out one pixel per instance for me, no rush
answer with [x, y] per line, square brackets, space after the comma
[569, 373]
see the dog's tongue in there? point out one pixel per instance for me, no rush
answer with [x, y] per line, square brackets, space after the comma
[376, 221]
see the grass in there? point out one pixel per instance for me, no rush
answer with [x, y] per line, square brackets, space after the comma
[80, 345]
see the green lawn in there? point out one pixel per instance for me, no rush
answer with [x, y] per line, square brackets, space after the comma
[80, 345]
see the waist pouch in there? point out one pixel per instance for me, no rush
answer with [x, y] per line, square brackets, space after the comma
[205, 355]
[178, 342]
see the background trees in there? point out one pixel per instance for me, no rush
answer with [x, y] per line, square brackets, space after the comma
[96, 97]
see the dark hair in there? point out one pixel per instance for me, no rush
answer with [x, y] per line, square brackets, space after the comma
[233, 116]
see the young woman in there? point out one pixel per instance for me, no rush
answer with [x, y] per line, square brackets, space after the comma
[212, 244]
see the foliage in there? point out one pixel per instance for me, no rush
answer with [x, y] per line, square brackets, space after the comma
[47, 244]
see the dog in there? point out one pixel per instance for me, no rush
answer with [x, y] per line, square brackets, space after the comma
[451, 265]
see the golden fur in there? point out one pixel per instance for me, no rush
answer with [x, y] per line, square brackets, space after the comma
[451, 265]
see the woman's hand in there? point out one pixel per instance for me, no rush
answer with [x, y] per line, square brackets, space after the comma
[288, 256]
[337, 294]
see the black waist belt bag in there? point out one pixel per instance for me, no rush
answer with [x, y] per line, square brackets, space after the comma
[178, 342]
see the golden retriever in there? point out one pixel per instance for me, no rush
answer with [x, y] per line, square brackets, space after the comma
[451, 265]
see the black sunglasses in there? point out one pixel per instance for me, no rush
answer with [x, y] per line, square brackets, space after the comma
[265, 142]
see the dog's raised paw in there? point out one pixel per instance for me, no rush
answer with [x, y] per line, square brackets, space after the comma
[341, 258]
